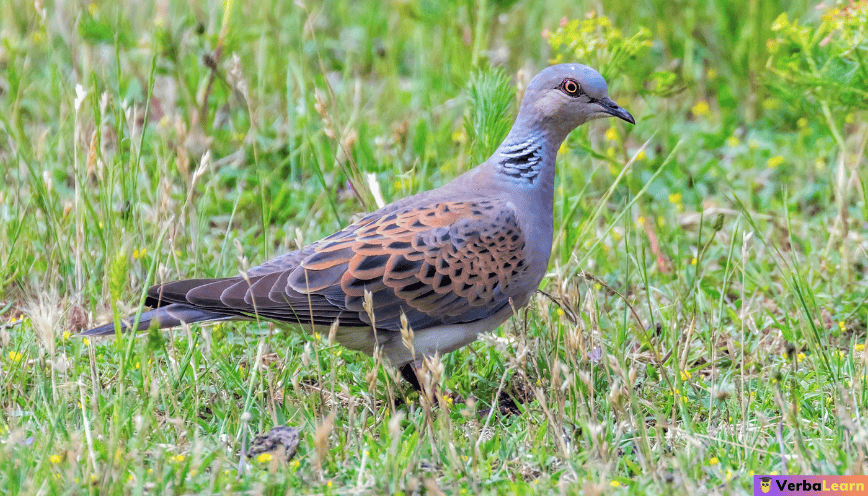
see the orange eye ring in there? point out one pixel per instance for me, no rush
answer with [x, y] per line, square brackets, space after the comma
[571, 87]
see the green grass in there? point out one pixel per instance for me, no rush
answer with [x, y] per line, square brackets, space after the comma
[712, 287]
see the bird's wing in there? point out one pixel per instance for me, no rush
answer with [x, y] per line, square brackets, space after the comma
[440, 263]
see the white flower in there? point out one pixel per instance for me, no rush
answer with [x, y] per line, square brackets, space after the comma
[80, 93]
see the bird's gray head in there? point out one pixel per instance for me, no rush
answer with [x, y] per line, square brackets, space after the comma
[559, 99]
[563, 97]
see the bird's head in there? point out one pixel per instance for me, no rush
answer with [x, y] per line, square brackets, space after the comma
[565, 96]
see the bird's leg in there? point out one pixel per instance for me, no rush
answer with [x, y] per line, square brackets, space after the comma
[408, 372]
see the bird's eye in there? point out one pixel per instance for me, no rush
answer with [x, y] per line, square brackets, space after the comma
[571, 87]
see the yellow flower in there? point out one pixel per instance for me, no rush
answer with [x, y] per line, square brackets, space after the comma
[329, 484]
[675, 198]
[264, 458]
[615, 483]
[91, 9]
[685, 375]
[729, 475]
[775, 161]
[611, 134]
[750, 473]
[459, 136]
[560, 312]
[701, 109]
[693, 261]
[55, 459]
[137, 254]
[771, 103]
[842, 325]
[86, 342]
[66, 334]
[733, 141]
[15, 356]
[178, 458]
[640, 221]
[800, 357]
[640, 155]
[860, 347]
[713, 460]
[295, 463]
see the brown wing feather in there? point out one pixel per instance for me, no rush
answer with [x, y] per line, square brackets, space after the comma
[443, 263]
[438, 264]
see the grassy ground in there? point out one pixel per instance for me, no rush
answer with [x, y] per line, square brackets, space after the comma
[712, 285]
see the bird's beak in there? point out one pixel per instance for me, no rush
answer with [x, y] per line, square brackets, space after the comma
[613, 109]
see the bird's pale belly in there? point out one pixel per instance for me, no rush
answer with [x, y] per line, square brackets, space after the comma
[427, 342]
[441, 339]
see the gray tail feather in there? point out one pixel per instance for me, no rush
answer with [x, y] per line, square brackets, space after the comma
[168, 316]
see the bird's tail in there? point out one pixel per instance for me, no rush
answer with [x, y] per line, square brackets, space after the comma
[167, 316]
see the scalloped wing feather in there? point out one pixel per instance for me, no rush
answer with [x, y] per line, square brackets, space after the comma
[445, 263]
